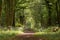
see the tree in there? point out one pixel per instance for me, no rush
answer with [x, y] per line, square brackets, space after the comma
[48, 4]
[10, 12]
[58, 11]
[0, 10]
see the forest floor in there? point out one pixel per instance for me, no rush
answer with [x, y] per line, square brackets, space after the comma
[18, 35]
[46, 34]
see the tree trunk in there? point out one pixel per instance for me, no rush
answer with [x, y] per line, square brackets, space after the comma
[10, 12]
[58, 12]
[0, 10]
[49, 12]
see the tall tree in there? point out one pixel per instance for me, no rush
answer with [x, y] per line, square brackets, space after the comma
[7, 5]
[48, 5]
[0, 10]
[58, 11]
[10, 12]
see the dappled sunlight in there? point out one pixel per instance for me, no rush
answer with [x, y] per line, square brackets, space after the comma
[29, 20]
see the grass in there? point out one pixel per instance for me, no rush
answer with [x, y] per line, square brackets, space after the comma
[7, 35]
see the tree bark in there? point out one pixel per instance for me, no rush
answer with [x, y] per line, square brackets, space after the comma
[0, 10]
[10, 12]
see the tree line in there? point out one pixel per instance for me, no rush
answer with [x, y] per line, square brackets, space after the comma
[33, 13]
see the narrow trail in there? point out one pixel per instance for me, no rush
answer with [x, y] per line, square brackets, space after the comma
[27, 36]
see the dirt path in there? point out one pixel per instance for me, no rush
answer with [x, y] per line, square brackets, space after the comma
[26, 36]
